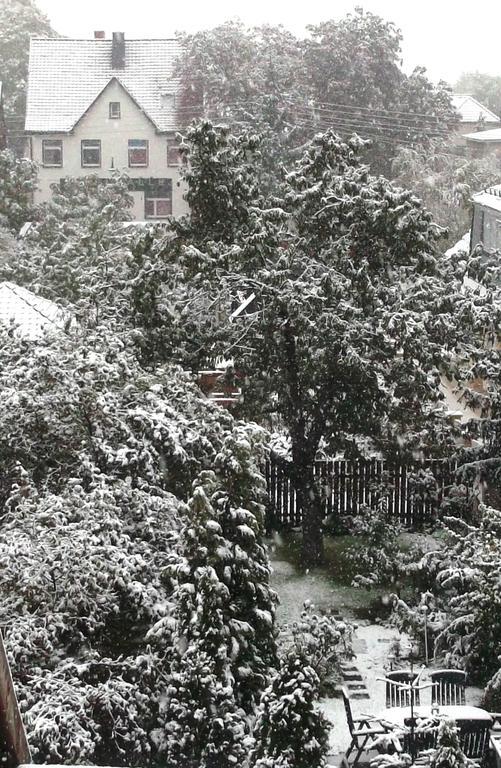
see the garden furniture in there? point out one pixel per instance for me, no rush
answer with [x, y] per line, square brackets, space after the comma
[398, 691]
[473, 723]
[367, 733]
[449, 686]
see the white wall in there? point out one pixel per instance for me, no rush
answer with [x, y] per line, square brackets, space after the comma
[114, 136]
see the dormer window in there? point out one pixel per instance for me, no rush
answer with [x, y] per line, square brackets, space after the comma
[115, 110]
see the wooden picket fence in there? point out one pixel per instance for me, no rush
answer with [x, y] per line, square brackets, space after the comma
[346, 485]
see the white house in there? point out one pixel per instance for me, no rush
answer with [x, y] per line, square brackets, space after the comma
[473, 116]
[99, 106]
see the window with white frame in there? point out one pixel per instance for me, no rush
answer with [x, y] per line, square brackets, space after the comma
[91, 153]
[52, 153]
[158, 198]
[138, 153]
[173, 156]
[115, 110]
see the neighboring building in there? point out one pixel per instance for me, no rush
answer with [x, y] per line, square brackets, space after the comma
[3, 127]
[30, 315]
[483, 143]
[486, 226]
[473, 116]
[99, 106]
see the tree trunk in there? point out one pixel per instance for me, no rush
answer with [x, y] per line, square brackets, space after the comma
[308, 500]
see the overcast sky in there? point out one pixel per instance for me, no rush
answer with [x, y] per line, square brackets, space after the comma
[446, 36]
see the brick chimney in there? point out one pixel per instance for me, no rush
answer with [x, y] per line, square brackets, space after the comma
[99, 35]
[118, 51]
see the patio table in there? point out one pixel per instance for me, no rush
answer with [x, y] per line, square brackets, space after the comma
[465, 713]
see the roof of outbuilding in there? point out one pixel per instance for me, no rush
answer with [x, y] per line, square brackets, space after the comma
[471, 110]
[66, 76]
[31, 315]
[490, 197]
[493, 135]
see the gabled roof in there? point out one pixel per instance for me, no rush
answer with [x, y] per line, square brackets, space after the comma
[490, 197]
[471, 110]
[66, 76]
[493, 135]
[32, 315]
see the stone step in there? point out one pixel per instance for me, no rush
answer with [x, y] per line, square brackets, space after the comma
[359, 695]
[356, 686]
[352, 675]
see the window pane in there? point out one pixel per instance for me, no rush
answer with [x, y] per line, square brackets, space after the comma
[173, 156]
[52, 152]
[114, 109]
[149, 207]
[138, 152]
[91, 153]
[163, 207]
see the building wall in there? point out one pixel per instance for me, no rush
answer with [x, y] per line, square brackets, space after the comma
[484, 149]
[114, 135]
[459, 137]
[486, 227]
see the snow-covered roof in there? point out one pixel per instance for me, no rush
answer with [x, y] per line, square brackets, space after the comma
[490, 197]
[31, 314]
[462, 245]
[493, 135]
[471, 110]
[66, 77]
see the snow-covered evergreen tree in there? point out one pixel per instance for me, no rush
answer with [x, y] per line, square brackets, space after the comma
[289, 729]
[225, 605]
[17, 182]
[19, 20]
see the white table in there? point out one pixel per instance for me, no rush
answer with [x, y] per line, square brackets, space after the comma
[398, 715]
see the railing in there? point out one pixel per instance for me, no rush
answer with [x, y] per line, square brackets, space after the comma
[347, 485]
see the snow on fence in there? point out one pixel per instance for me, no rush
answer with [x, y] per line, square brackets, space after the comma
[346, 485]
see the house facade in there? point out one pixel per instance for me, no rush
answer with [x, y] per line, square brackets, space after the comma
[474, 116]
[486, 227]
[484, 144]
[106, 106]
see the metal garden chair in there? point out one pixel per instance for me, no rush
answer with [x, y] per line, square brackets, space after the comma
[449, 687]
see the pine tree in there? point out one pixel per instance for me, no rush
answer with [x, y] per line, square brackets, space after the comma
[288, 728]
[225, 605]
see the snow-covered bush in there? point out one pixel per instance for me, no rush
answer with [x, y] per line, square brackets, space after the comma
[376, 556]
[464, 609]
[492, 694]
[323, 640]
[17, 182]
[97, 460]
[288, 728]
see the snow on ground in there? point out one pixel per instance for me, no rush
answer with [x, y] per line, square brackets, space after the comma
[371, 643]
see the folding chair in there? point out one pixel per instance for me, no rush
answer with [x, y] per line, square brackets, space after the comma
[449, 687]
[396, 694]
[366, 733]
